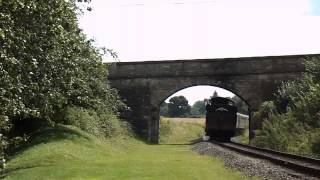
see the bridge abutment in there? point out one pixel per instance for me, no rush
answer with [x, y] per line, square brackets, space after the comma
[154, 125]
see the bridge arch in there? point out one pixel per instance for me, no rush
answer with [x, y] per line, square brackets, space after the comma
[160, 94]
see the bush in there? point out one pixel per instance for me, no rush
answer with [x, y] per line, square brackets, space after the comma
[284, 133]
[101, 124]
[266, 110]
[294, 122]
[273, 134]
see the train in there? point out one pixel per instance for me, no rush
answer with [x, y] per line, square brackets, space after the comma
[221, 119]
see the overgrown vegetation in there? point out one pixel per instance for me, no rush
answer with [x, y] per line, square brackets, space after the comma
[50, 72]
[292, 120]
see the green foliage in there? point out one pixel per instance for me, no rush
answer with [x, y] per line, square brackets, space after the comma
[285, 133]
[47, 64]
[266, 110]
[100, 124]
[178, 107]
[198, 109]
[242, 138]
[165, 129]
[5, 127]
[272, 134]
[241, 105]
[84, 119]
[290, 92]
[312, 66]
[292, 121]
[164, 109]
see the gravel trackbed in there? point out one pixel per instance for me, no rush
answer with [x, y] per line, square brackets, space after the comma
[249, 165]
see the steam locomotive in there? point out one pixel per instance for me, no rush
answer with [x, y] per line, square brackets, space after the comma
[221, 119]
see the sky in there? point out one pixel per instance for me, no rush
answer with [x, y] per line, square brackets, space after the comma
[197, 93]
[142, 30]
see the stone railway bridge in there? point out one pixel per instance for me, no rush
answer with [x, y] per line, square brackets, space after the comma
[143, 86]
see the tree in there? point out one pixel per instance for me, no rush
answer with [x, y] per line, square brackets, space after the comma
[198, 109]
[47, 63]
[178, 107]
[241, 105]
[215, 94]
[164, 109]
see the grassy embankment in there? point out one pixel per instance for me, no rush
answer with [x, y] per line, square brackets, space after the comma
[65, 152]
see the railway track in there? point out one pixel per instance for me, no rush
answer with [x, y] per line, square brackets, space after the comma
[298, 163]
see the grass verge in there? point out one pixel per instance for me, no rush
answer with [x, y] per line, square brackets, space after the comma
[242, 138]
[66, 152]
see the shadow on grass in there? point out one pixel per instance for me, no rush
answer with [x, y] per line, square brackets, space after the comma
[47, 135]
[174, 144]
[187, 143]
[4, 173]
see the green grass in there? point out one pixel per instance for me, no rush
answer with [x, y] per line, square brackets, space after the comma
[65, 152]
[180, 130]
[242, 138]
